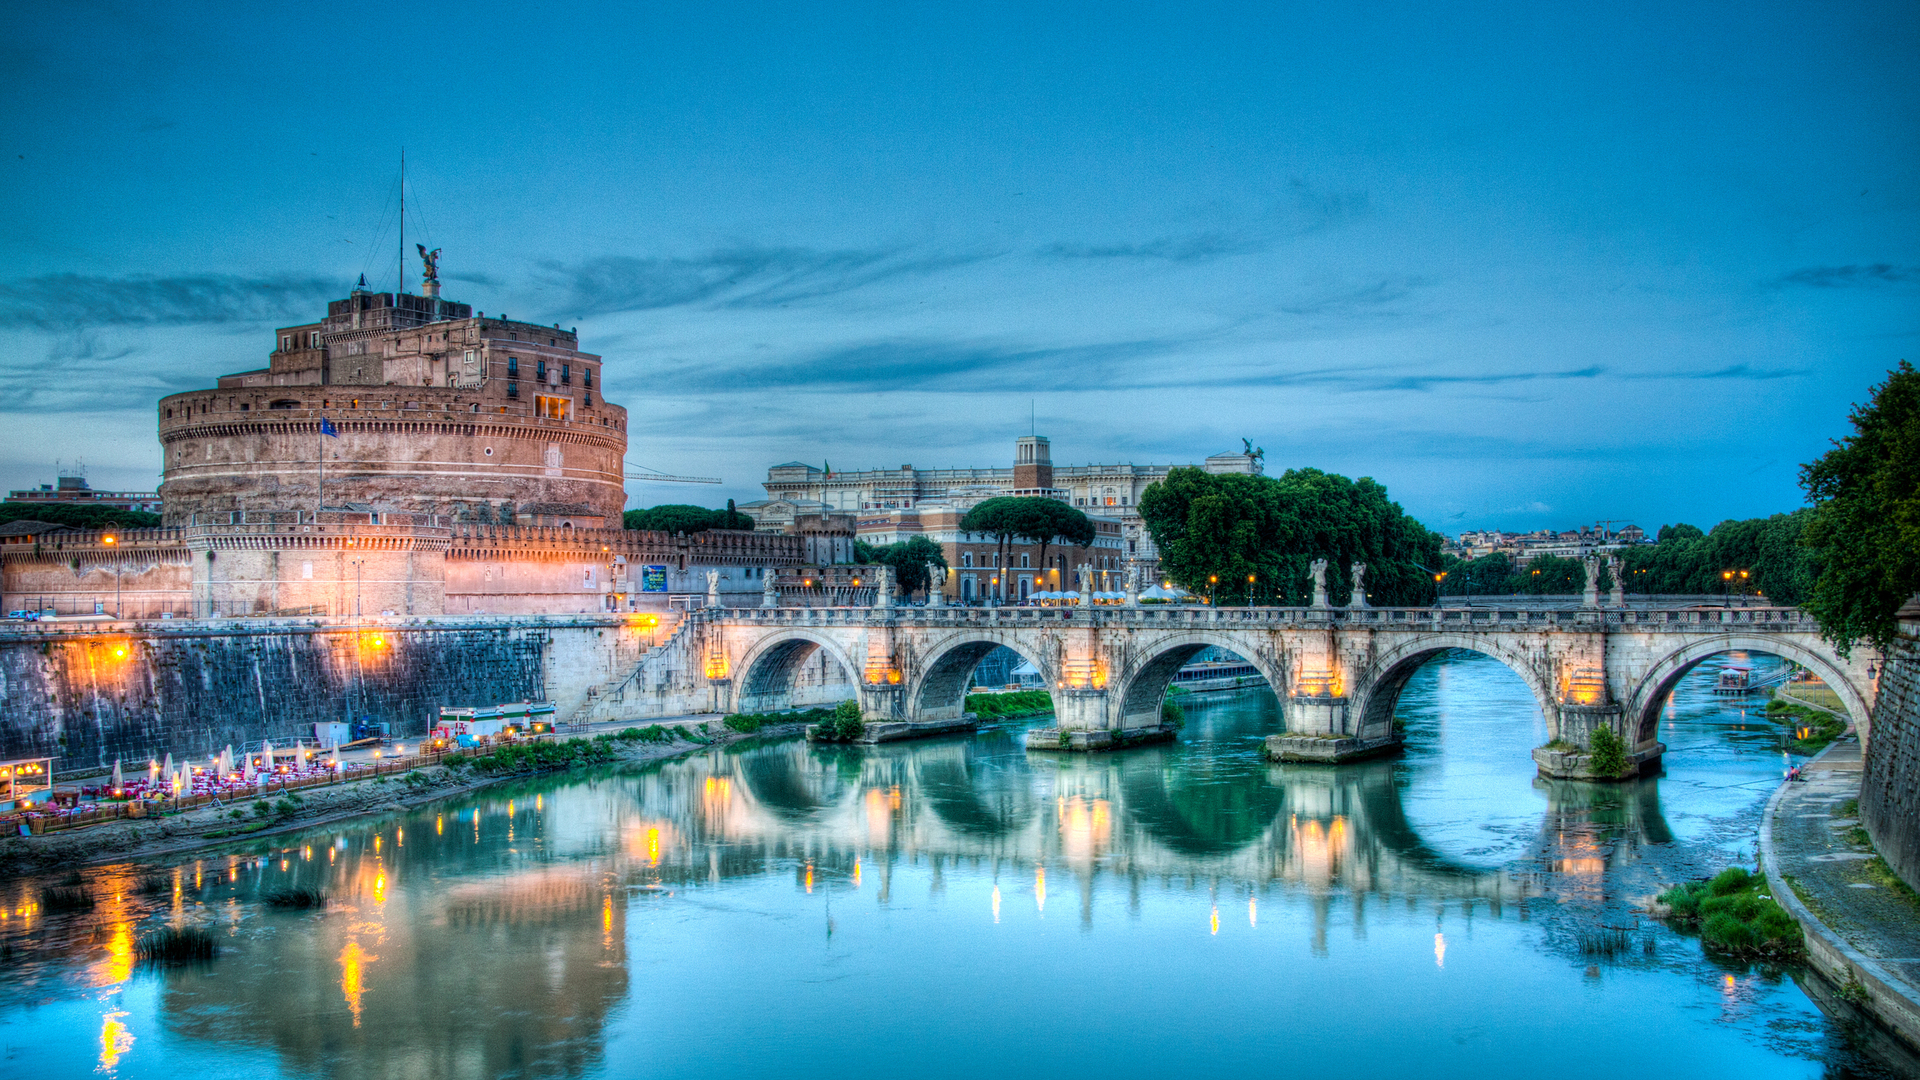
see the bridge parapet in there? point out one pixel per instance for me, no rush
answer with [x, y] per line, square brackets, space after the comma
[1338, 672]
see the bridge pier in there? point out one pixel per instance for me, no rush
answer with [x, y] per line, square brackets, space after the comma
[1320, 730]
[1570, 755]
[1083, 722]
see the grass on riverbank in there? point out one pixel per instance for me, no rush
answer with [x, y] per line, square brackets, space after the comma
[751, 723]
[1011, 705]
[565, 754]
[1812, 728]
[1735, 915]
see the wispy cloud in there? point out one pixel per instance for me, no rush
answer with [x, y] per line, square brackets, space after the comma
[1850, 277]
[736, 277]
[1371, 299]
[1743, 372]
[1195, 247]
[67, 301]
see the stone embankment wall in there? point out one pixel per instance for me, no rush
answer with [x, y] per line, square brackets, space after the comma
[1890, 786]
[134, 692]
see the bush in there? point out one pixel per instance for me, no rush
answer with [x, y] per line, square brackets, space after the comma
[844, 725]
[1608, 751]
[749, 723]
[262, 810]
[175, 946]
[53, 900]
[1017, 703]
[287, 807]
[1731, 880]
[1172, 714]
[1734, 915]
[544, 756]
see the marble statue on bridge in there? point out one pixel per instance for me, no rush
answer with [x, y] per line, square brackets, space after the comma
[1590, 593]
[1617, 595]
[713, 588]
[936, 578]
[1358, 571]
[770, 596]
[1319, 568]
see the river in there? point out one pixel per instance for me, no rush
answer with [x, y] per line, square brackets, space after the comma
[960, 907]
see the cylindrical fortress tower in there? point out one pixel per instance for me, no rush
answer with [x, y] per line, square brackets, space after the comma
[402, 404]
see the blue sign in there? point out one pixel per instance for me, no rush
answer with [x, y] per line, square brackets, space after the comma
[653, 579]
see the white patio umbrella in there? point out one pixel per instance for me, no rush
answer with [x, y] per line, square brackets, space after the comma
[246, 769]
[334, 757]
[226, 760]
[153, 771]
[266, 756]
[118, 783]
[168, 767]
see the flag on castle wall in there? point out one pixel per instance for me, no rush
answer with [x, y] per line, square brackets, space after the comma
[327, 428]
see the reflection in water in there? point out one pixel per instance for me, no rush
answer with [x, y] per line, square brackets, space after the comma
[536, 927]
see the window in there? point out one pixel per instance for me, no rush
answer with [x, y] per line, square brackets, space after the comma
[966, 558]
[1023, 562]
[285, 343]
[540, 370]
[513, 389]
[586, 377]
[513, 367]
[313, 340]
[566, 374]
[551, 408]
[589, 400]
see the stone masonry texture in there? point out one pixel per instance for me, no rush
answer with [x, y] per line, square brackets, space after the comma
[1890, 785]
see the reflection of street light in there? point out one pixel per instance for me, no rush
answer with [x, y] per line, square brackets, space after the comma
[111, 540]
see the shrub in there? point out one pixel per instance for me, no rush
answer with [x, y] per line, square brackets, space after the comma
[1726, 930]
[1017, 703]
[261, 809]
[1172, 714]
[843, 725]
[175, 946]
[1729, 881]
[53, 900]
[287, 807]
[749, 723]
[1608, 751]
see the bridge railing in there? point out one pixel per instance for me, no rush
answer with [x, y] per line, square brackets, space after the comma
[1767, 619]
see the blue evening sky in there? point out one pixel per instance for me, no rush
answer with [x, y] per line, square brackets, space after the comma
[1526, 264]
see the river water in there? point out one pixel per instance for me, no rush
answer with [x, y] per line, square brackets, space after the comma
[960, 906]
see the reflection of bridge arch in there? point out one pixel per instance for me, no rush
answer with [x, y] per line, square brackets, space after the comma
[1643, 707]
[940, 691]
[1143, 686]
[1377, 694]
[769, 668]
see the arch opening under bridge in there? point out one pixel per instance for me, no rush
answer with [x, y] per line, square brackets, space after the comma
[774, 667]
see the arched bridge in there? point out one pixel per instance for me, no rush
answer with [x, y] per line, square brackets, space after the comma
[1338, 672]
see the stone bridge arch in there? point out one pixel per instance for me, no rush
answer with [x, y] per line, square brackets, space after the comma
[1143, 682]
[938, 689]
[1649, 694]
[768, 668]
[1375, 692]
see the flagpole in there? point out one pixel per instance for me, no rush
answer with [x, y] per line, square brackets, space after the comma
[320, 485]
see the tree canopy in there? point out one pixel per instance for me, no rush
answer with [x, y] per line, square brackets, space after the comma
[909, 559]
[78, 515]
[1865, 521]
[1234, 525]
[1033, 518]
[1685, 561]
[682, 518]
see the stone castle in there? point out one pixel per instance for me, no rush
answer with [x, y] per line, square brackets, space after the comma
[402, 456]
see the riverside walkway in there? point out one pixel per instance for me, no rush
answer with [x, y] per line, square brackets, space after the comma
[1863, 934]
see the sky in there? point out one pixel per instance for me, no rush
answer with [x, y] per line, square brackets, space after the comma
[1526, 265]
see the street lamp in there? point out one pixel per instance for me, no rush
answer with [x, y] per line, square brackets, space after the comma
[1212, 580]
[1250, 579]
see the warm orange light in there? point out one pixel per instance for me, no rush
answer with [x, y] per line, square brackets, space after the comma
[716, 666]
[111, 540]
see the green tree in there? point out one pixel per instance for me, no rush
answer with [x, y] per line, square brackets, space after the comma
[1035, 519]
[909, 559]
[682, 518]
[78, 516]
[1214, 532]
[1865, 525]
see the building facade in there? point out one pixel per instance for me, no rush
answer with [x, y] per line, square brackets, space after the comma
[403, 456]
[974, 559]
[1110, 491]
[70, 488]
[428, 409]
